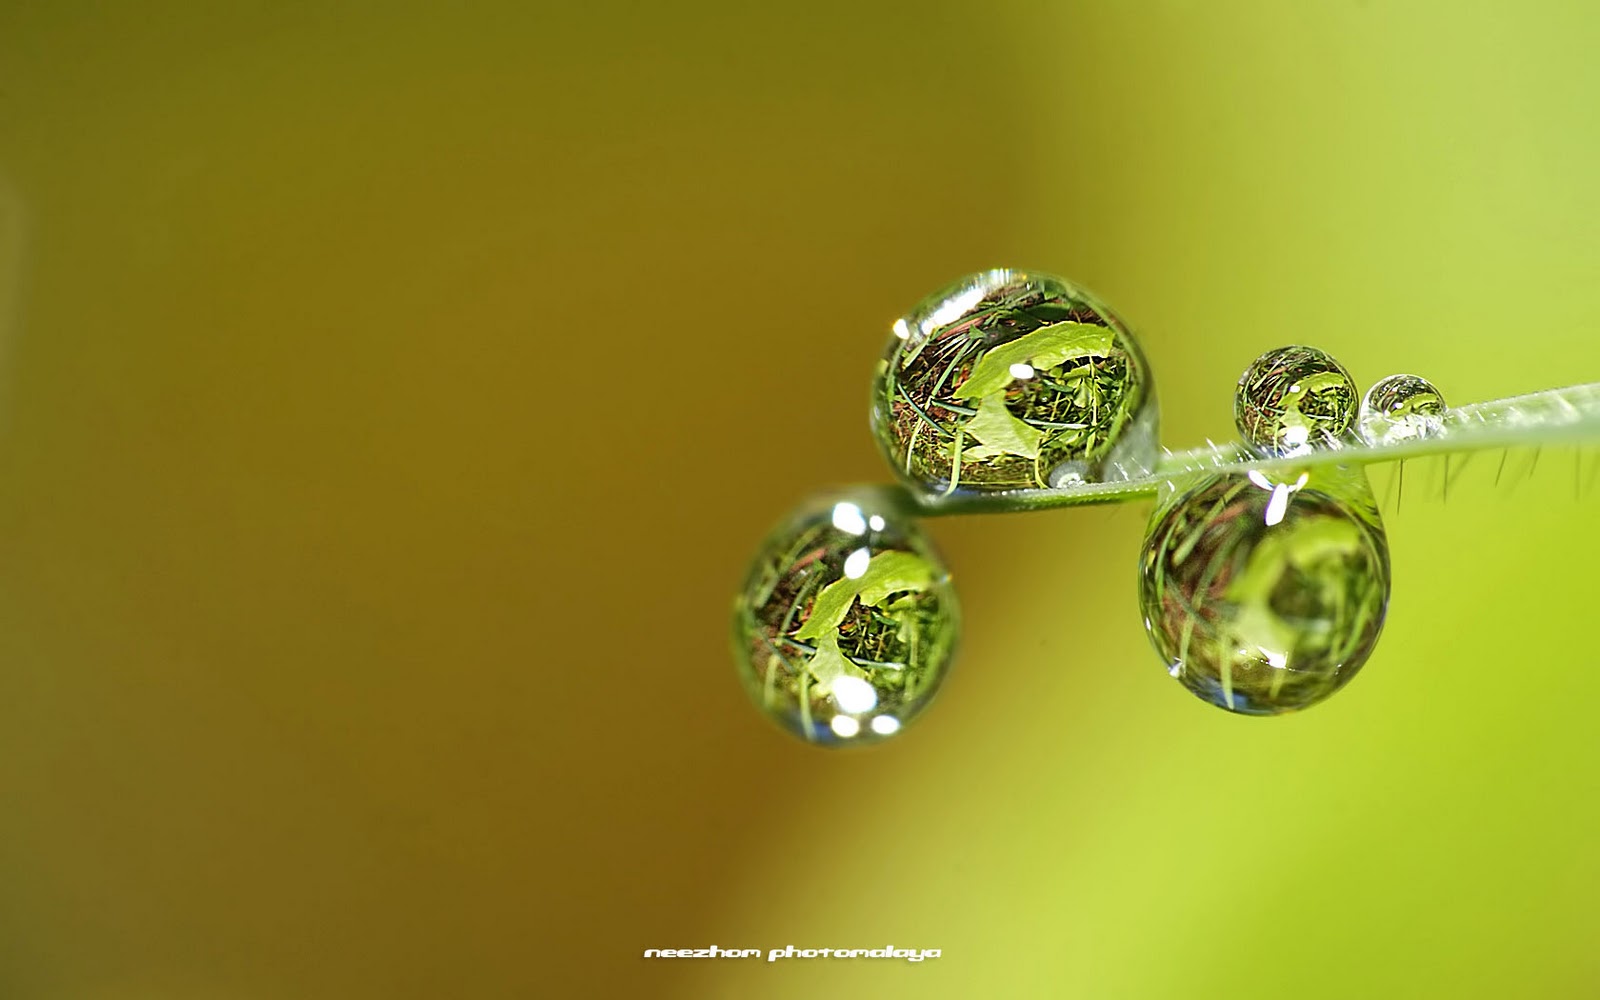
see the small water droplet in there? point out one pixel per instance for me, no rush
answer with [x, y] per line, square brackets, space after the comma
[843, 635]
[1007, 378]
[1401, 408]
[1262, 616]
[1293, 400]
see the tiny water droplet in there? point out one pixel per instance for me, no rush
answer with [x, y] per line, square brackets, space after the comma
[1014, 380]
[1262, 616]
[1293, 400]
[1401, 408]
[845, 625]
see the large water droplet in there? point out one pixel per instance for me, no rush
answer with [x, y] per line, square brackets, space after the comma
[846, 622]
[1014, 380]
[1266, 594]
[1401, 408]
[1294, 399]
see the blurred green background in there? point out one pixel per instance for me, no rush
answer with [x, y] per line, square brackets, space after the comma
[391, 397]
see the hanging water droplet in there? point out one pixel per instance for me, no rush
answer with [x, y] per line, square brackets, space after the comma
[1401, 408]
[1266, 593]
[1014, 380]
[846, 623]
[1294, 399]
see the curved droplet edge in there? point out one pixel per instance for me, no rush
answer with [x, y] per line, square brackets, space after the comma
[881, 496]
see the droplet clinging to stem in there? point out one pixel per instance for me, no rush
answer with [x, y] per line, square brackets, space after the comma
[1013, 380]
[1293, 400]
[1401, 408]
[1265, 594]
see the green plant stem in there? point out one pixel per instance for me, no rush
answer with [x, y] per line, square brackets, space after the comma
[1568, 415]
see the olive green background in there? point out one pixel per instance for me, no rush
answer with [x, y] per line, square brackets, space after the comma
[390, 399]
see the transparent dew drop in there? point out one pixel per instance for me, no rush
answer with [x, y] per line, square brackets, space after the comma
[1014, 380]
[1265, 593]
[1293, 400]
[845, 625]
[1401, 408]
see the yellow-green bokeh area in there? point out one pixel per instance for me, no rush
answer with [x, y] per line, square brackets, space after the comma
[390, 402]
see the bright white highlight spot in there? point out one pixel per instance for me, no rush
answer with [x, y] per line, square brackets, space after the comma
[876, 522]
[845, 727]
[1022, 371]
[1279, 504]
[1296, 436]
[886, 725]
[855, 564]
[854, 695]
[900, 329]
[1255, 477]
[1275, 658]
[952, 309]
[847, 517]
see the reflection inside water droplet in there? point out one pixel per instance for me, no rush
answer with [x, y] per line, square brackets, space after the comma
[1401, 408]
[1294, 399]
[1014, 380]
[1265, 593]
[846, 623]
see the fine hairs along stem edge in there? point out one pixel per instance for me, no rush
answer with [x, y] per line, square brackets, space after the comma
[1568, 415]
[1264, 577]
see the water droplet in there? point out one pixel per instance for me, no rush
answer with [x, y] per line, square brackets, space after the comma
[846, 623]
[1401, 408]
[1294, 399]
[1014, 380]
[1262, 616]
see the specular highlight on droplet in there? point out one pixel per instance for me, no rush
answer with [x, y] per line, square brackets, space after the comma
[1292, 400]
[1265, 594]
[1401, 408]
[845, 625]
[1014, 380]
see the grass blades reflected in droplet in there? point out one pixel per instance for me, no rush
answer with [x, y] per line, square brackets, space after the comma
[1266, 595]
[846, 623]
[1013, 380]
